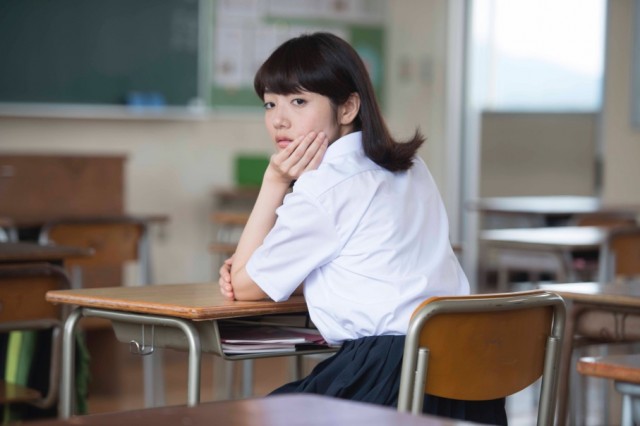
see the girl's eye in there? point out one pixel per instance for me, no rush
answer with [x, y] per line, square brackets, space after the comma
[298, 101]
[269, 105]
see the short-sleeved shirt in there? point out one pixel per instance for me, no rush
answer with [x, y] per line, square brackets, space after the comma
[369, 245]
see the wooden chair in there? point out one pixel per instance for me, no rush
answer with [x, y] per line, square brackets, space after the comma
[23, 308]
[591, 268]
[116, 241]
[620, 256]
[483, 347]
[619, 260]
[228, 227]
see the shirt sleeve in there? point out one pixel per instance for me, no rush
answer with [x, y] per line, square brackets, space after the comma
[303, 239]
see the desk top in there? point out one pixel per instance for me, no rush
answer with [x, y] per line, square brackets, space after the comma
[619, 294]
[32, 252]
[560, 205]
[625, 368]
[38, 221]
[290, 410]
[557, 237]
[200, 301]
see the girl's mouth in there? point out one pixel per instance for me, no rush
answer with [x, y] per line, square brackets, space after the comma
[283, 143]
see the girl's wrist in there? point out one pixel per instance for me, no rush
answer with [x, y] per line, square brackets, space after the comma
[271, 176]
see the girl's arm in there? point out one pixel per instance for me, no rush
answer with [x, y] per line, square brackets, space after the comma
[304, 153]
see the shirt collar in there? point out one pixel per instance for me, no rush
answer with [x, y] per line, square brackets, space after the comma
[349, 143]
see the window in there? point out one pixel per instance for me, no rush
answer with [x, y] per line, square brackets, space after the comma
[538, 54]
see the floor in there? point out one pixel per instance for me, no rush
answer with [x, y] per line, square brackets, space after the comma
[270, 373]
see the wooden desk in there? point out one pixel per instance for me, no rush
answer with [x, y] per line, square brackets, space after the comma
[541, 211]
[576, 238]
[290, 410]
[194, 309]
[37, 221]
[32, 252]
[602, 312]
[549, 206]
[624, 370]
[542, 249]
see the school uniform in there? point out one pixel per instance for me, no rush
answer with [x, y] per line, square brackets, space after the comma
[370, 246]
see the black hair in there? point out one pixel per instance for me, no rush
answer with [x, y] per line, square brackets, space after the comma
[325, 64]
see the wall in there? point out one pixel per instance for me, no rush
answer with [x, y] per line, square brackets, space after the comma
[621, 142]
[537, 153]
[173, 166]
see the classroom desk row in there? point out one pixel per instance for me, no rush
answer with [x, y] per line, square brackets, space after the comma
[550, 210]
[184, 306]
[601, 313]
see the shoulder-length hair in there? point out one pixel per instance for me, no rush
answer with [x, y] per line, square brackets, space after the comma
[325, 64]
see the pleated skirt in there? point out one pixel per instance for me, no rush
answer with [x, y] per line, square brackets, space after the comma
[368, 370]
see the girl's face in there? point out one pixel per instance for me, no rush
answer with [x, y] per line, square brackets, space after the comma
[290, 116]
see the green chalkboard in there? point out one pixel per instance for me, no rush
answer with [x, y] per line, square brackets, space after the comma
[99, 51]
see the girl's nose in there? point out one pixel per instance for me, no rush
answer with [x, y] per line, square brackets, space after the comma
[280, 121]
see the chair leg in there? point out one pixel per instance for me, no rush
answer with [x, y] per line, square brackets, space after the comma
[297, 367]
[503, 280]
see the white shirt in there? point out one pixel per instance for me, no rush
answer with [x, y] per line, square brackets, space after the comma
[369, 244]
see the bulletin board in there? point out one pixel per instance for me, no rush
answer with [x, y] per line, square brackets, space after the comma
[245, 32]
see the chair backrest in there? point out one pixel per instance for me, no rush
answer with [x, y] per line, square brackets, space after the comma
[620, 255]
[483, 347]
[23, 307]
[229, 225]
[114, 241]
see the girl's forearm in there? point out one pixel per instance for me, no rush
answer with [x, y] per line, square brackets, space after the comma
[261, 220]
[303, 154]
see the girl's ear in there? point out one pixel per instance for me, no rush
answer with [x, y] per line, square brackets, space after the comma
[348, 111]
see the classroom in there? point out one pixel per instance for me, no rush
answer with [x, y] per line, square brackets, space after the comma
[166, 152]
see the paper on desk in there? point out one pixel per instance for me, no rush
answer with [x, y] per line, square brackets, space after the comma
[262, 334]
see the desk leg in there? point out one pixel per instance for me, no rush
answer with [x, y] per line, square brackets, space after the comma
[187, 327]
[630, 392]
[66, 403]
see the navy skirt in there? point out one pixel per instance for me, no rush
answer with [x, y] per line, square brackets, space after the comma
[368, 370]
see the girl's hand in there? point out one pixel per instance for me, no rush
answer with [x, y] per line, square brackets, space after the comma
[303, 154]
[225, 279]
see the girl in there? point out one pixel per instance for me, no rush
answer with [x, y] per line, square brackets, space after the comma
[363, 226]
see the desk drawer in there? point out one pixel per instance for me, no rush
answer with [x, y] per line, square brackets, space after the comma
[168, 337]
[144, 338]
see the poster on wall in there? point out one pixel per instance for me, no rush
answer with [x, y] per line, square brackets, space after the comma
[247, 31]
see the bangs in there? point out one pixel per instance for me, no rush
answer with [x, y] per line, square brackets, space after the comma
[297, 65]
